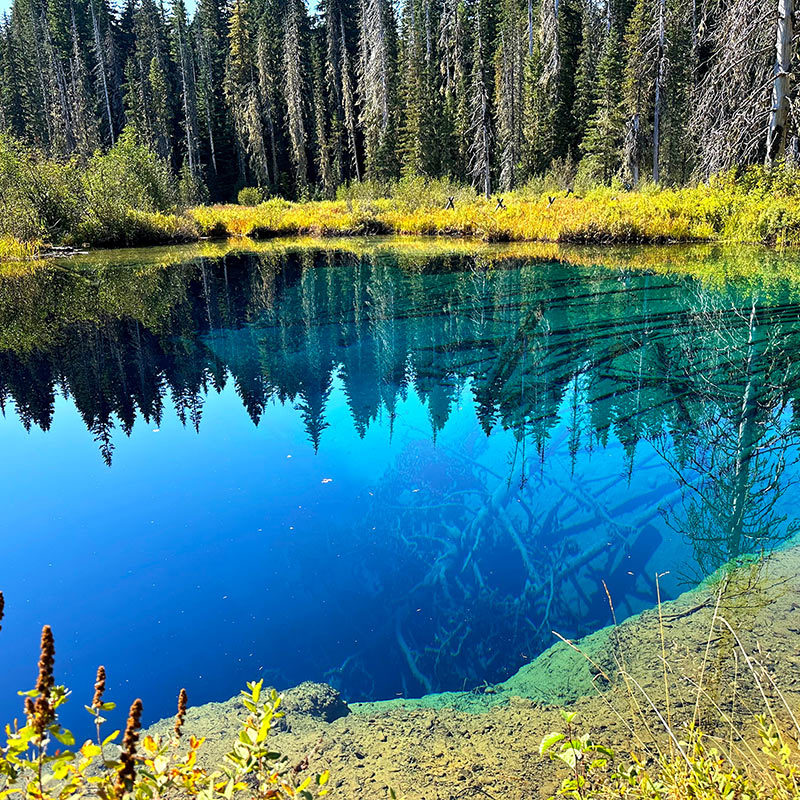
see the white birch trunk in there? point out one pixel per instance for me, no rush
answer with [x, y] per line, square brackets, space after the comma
[776, 134]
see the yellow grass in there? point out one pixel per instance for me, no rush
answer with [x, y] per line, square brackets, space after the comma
[720, 212]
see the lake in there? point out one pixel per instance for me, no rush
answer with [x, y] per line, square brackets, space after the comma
[393, 467]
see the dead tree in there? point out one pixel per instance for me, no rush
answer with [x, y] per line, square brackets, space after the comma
[779, 112]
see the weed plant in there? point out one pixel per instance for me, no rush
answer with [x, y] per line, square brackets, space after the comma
[40, 760]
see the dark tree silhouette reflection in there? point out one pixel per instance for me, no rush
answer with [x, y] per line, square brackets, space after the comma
[742, 378]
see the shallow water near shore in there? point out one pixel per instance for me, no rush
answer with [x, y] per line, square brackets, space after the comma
[395, 469]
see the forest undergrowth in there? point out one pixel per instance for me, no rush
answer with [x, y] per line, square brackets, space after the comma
[127, 196]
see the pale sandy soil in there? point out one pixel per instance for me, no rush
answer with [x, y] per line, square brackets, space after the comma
[486, 744]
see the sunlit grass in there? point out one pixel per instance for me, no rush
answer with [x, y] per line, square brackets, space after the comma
[12, 249]
[721, 212]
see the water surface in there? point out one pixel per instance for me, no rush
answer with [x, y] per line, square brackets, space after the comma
[395, 470]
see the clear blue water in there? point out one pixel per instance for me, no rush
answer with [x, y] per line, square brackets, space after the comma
[395, 473]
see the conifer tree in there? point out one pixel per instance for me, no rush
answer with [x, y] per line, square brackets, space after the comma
[259, 93]
[294, 46]
[209, 31]
[377, 81]
[509, 93]
[242, 96]
[602, 145]
[183, 57]
[481, 132]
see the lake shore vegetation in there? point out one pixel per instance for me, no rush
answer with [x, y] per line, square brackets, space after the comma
[678, 735]
[40, 759]
[127, 197]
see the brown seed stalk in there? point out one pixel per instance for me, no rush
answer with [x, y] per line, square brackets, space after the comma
[127, 773]
[46, 662]
[181, 716]
[2, 609]
[41, 712]
[99, 688]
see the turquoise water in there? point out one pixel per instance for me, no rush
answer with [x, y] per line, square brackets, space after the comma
[397, 473]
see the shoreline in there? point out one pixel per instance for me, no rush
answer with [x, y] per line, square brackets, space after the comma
[487, 742]
[721, 212]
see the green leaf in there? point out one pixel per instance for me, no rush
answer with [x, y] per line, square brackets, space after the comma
[64, 736]
[550, 740]
[108, 706]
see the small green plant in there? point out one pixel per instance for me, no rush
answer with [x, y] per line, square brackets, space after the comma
[250, 196]
[39, 762]
[589, 763]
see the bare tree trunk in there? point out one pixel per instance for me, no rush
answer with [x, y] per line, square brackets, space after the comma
[349, 103]
[776, 134]
[101, 65]
[657, 104]
[530, 28]
[209, 79]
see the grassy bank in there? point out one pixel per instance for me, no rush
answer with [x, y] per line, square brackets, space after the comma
[753, 207]
[128, 197]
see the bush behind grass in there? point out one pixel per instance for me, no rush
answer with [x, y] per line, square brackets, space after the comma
[122, 197]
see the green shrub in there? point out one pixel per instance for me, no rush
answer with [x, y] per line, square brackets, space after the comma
[129, 175]
[40, 199]
[250, 196]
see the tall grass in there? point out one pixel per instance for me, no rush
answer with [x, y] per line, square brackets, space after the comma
[719, 750]
[754, 206]
[13, 249]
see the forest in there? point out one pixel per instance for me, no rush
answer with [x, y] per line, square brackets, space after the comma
[297, 102]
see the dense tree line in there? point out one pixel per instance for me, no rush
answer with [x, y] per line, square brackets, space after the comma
[495, 92]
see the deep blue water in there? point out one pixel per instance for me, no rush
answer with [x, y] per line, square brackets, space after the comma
[395, 473]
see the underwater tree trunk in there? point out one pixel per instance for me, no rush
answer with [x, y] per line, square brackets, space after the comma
[776, 134]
